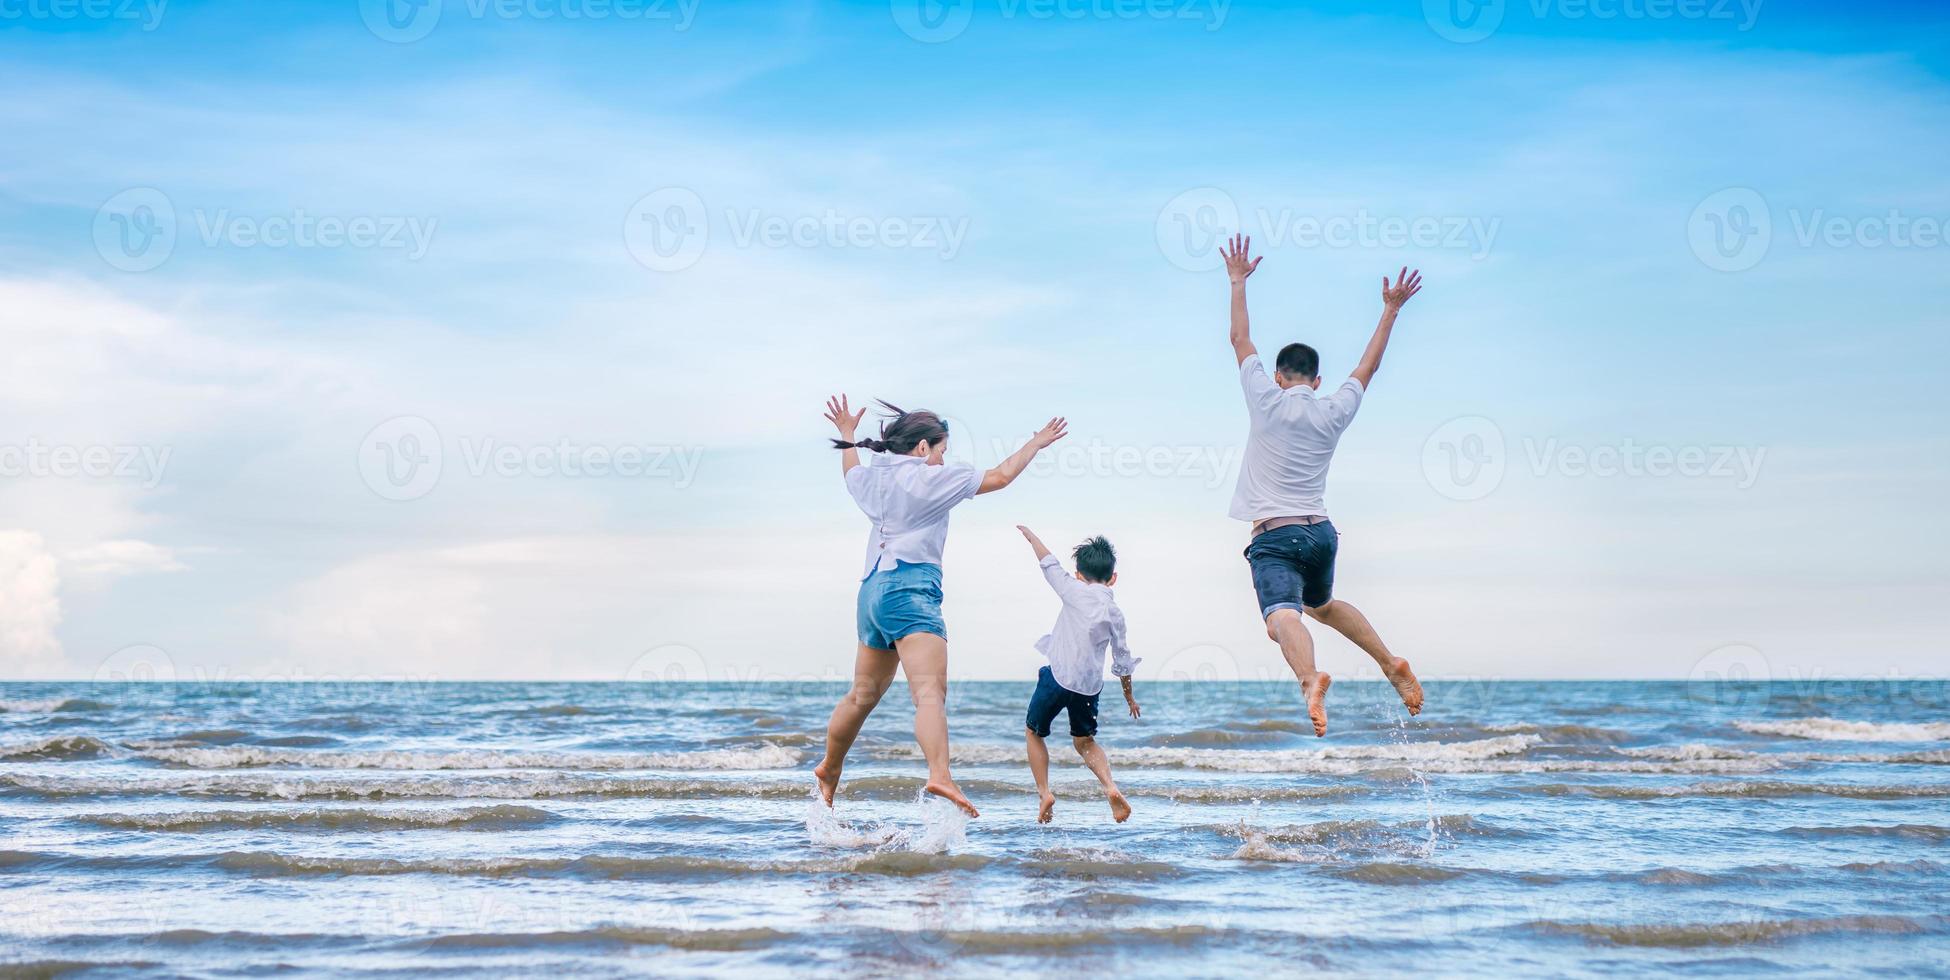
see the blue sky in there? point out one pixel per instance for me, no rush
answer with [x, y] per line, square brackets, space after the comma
[1032, 196]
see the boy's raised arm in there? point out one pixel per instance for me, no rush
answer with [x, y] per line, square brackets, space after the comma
[1035, 543]
[1393, 296]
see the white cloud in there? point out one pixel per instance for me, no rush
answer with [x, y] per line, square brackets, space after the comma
[30, 606]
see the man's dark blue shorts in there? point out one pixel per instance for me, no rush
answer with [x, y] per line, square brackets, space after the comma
[1293, 566]
[1050, 698]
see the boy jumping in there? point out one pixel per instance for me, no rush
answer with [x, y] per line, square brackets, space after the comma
[1090, 620]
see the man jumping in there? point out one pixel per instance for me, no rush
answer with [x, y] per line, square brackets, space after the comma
[1283, 481]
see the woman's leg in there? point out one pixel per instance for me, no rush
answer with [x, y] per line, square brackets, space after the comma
[873, 673]
[924, 659]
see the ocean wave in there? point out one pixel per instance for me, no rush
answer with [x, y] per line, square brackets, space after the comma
[1910, 831]
[499, 786]
[1837, 730]
[45, 706]
[249, 756]
[1018, 941]
[1760, 790]
[702, 940]
[1333, 759]
[1689, 935]
[56, 748]
[1386, 873]
[1564, 733]
[474, 818]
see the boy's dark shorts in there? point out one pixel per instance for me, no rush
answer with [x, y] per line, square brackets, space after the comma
[1050, 698]
[1294, 566]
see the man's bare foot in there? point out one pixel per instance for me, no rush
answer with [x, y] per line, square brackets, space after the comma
[829, 780]
[1316, 693]
[952, 793]
[1047, 811]
[1120, 808]
[1406, 685]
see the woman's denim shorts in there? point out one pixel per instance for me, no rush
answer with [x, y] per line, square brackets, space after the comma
[900, 602]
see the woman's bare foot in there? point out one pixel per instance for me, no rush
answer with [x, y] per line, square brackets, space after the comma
[1316, 693]
[952, 793]
[1406, 685]
[829, 780]
[1047, 812]
[1120, 808]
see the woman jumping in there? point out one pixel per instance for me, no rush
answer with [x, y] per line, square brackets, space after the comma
[907, 494]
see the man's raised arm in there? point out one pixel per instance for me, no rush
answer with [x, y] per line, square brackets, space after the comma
[1238, 267]
[1392, 298]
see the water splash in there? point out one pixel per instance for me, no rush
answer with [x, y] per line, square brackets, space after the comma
[943, 828]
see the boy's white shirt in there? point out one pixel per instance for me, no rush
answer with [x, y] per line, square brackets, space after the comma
[1090, 621]
[908, 502]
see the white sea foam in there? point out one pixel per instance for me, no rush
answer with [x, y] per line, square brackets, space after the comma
[1333, 760]
[943, 827]
[248, 756]
[1837, 730]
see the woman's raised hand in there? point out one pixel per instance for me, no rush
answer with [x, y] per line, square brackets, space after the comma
[843, 418]
[1048, 434]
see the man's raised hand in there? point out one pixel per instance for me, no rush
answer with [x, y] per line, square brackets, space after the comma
[1238, 267]
[1405, 286]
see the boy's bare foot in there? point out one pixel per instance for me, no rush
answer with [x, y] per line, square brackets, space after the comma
[829, 780]
[952, 793]
[1316, 693]
[1406, 685]
[1120, 808]
[1048, 809]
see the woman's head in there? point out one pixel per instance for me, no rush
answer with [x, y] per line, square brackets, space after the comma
[918, 433]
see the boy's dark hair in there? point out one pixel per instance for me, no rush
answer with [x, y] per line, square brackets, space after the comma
[1299, 360]
[1096, 559]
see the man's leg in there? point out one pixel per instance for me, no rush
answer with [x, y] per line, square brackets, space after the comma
[1039, 767]
[1288, 630]
[1349, 622]
[873, 671]
[1093, 756]
[924, 659]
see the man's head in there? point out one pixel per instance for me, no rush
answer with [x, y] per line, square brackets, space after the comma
[1096, 561]
[1298, 364]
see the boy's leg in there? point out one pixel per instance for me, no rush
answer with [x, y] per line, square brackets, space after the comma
[1039, 767]
[1093, 756]
[924, 658]
[873, 671]
[1349, 622]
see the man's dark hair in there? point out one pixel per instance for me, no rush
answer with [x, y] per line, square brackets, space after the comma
[1096, 559]
[1300, 361]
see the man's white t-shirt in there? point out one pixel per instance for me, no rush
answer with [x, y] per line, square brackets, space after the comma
[1294, 432]
[908, 502]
